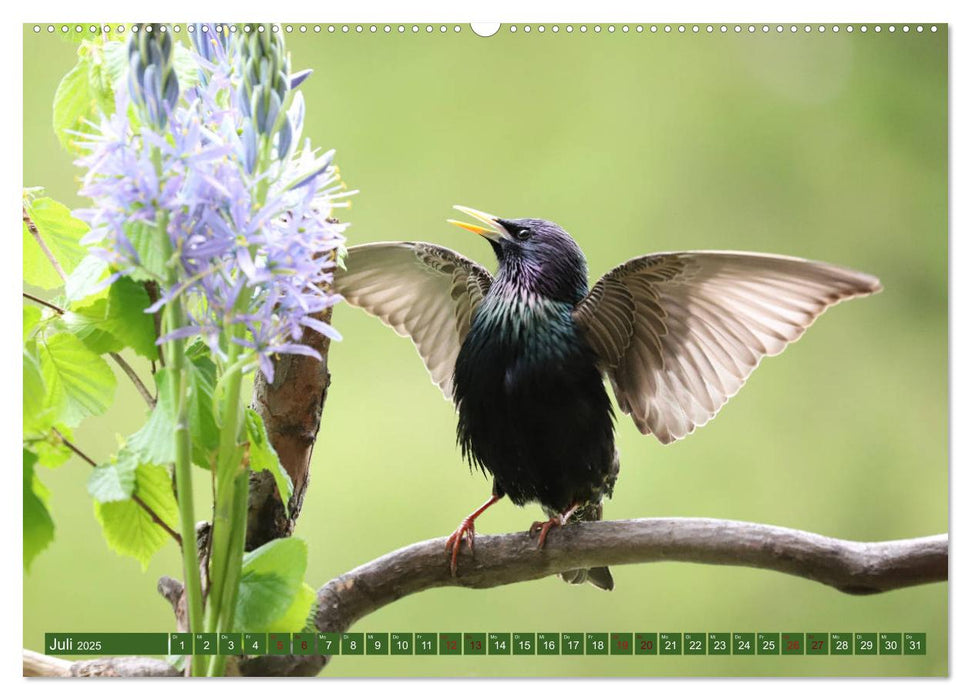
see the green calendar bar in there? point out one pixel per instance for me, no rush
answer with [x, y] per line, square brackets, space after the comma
[352, 644]
[865, 644]
[793, 643]
[817, 643]
[278, 644]
[766, 644]
[719, 643]
[743, 643]
[670, 643]
[621, 643]
[304, 644]
[474, 644]
[402, 643]
[572, 643]
[377, 643]
[694, 644]
[254, 644]
[181, 643]
[597, 644]
[204, 643]
[449, 643]
[915, 643]
[548, 643]
[500, 644]
[426, 644]
[106, 643]
[230, 644]
[645, 643]
[891, 643]
[841, 644]
[328, 643]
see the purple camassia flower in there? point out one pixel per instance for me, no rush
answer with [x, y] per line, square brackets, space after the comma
[241, 265]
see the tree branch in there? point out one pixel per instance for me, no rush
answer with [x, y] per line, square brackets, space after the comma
[851, 567]
[135, 379]
[291, 408]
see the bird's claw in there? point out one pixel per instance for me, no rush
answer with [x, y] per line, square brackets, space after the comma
[543, 527]
[465, 531]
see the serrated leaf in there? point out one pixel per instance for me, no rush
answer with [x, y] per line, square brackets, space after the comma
[262, 456]
[154, 442]
[86, 277]
[271, 581]
[61, 233]
[38, 523]
[32, 316]
[114, 481]
[116, 322]
[152, 250]
[128, 528]
[76, 379]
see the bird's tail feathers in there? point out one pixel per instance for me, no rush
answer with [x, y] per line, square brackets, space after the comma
[598, 576]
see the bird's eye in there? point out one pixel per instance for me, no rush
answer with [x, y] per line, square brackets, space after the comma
[521, 234]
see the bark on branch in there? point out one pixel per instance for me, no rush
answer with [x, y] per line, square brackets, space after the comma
[849, 566]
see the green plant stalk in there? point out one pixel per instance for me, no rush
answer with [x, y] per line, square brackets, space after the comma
[175, 350]
[222, 567]
[235, 565]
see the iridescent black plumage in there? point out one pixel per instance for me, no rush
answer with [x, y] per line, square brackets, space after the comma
[533, 410]
[523, 355]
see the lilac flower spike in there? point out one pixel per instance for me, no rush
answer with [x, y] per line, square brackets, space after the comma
[247, 210]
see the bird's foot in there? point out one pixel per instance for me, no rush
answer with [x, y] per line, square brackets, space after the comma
[465, 531]
[543, 527]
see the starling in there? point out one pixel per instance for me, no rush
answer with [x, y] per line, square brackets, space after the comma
[523, 353]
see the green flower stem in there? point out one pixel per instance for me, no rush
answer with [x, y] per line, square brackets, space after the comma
[175, 350]
[224, 567]
[234, 569]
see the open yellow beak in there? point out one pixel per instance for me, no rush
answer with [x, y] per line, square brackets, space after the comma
[491, 229]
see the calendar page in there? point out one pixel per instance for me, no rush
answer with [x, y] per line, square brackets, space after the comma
[424, 349]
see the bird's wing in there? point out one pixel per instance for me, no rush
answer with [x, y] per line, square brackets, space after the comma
[679, 333]
[422, 291]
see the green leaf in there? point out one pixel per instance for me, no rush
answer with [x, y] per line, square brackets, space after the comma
[272, 580]
[262, 456]
[38, 524]
[76, 379]
[83, 95]
[152, 250]
[114, 481]
[51, 450]
[128, 528]
[202, 419]
[74, 105]
[117, 322]
[154, 442]
[86, 276]
[32, 316]
[297, 617]
[38, 415]
[61, 233]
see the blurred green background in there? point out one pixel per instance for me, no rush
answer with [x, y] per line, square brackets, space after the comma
[827, 146]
